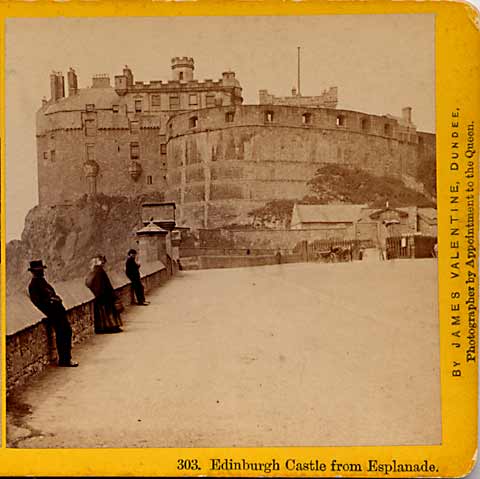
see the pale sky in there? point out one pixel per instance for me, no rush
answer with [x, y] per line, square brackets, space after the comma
[380, 63]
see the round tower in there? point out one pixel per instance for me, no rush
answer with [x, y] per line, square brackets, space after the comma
[182, 68]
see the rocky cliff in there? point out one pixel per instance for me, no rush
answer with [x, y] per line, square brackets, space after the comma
[66, 237]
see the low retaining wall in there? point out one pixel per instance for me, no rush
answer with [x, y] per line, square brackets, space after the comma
[30, 343]
[269, 239]
[211, 262]
[188, 252]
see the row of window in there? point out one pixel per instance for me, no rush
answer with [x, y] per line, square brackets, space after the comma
[193, 120]
[90, 152]
[156, 101]
[306, 120]
[91, 127]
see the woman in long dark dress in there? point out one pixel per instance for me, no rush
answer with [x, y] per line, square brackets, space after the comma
[106, 318]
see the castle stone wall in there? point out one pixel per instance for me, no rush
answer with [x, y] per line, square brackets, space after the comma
[224, 162]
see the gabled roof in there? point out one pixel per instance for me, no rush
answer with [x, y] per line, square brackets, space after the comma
[376, 214]
[340, 213]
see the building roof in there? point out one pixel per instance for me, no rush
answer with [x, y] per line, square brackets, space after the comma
[102, 98]
[403, 212]
[340, 213]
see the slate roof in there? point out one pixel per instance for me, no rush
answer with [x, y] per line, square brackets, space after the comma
[102, 98]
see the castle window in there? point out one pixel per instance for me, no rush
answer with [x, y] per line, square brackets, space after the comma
[387, 129]
[52, 155]
[156, 100]
[229, 116]
[341, 120]
[149, 180]
[307, 118]
[268, 116]
[134, 127]
[90, 151]
[90, 128]
[174, 102]
[180, 76]
[90, 107]
[210, 100]
[163, 148]
[138, 106]
[193, 99]
[365, 124]
[193, 122]
[134, 151]
[45, 155]
[115, 108]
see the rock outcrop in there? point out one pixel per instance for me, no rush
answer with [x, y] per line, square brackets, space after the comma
[66, 237]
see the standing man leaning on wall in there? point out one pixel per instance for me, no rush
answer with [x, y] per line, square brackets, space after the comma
[132, 270]
[43, 296]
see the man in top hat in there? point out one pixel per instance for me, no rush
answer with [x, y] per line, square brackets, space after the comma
[43, 296]
[132, 270]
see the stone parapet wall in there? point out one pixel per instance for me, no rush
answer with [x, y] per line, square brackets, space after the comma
[189, 252]
[271, 239]
[30, 344]
[288, 116]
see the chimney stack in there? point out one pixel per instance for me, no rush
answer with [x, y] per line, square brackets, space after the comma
[72, 82]
[407, 114]
[57, 86]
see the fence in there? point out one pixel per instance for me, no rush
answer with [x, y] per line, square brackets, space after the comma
[415, 246]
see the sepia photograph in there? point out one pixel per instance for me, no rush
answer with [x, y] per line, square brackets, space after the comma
[221, 232]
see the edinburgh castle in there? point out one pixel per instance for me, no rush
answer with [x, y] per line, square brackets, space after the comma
[199, 146]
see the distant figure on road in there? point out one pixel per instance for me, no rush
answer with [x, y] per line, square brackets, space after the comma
[132, 270]
[43, 296]
[106, 317]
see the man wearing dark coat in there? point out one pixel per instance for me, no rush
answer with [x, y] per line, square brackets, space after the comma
[132, 270]
[44, 297]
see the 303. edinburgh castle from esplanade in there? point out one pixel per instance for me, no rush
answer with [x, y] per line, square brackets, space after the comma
[196, 143]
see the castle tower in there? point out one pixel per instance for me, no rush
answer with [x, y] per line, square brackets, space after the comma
[182, 68]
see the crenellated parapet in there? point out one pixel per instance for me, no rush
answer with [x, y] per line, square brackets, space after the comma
[328, 99]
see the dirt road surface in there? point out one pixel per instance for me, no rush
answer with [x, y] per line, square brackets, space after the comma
[299, 354]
